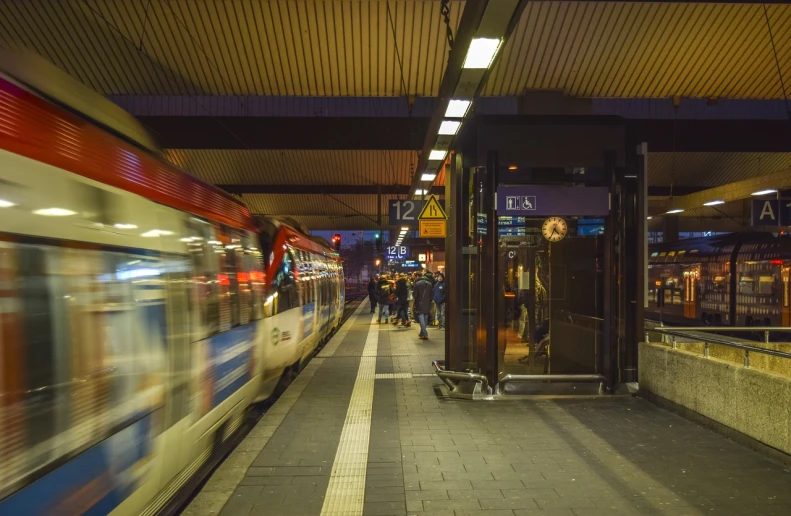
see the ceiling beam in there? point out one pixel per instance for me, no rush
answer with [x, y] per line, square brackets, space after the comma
[293, 189]
[713, 135]
[491, 19]
[310, 133]
[780, 180]
[408, 133]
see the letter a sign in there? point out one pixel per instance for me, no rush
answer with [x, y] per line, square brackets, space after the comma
[771, 212]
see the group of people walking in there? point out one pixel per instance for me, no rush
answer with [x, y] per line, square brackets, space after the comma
[403, 298]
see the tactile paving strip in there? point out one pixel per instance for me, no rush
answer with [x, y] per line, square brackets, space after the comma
[346, 489]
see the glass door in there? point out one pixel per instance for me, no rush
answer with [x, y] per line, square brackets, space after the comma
[552, 294]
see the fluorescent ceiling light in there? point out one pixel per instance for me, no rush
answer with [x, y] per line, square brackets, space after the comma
[481, 52]
[427, 176]
[404, 228]
[764, 192]
[420, 192]
[214, 242]
[124, 226]
[156, 233]
[457, 108]
[55, 212]
[185, 239]
[5, 204]
[449, 126]
[674, 211]
[713, 203]
[437, 154]
[649, 217]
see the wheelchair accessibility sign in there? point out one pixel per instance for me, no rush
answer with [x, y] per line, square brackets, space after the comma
[520, 202]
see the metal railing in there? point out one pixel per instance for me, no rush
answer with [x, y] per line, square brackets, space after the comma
[448, 377]
[721, 339]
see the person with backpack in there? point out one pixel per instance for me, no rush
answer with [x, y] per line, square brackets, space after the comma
[423, 292]
[402, 300]
[383, 298]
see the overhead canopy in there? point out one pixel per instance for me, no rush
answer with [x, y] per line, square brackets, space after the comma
[226, 56]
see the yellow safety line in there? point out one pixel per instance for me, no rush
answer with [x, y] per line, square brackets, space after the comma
[346, 489]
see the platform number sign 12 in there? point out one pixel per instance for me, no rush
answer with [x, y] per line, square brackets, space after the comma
[396, 252]
[406, 212]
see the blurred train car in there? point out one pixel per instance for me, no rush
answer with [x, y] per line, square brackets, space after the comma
[740, 279]
[142, 312]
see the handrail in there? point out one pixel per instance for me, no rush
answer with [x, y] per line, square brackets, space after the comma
[552, 378]
[727, 328]
[717, 339]
[580, 316]
[446, 376]
[747, 329]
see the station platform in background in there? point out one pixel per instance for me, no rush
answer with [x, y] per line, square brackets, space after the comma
[366, 430]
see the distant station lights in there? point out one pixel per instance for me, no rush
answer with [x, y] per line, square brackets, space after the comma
[764, 192]
[420, 192]
[428, 176]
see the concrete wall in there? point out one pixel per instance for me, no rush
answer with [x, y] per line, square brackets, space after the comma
[754, 402]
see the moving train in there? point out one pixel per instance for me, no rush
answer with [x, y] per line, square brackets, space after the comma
[738, 279]
[142, 312]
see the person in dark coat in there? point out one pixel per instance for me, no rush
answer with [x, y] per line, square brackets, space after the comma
[440, 295]
[372, 293]
[383, 298]
[423, 292]
[402, 300]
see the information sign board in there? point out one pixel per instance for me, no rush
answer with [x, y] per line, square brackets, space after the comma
[432, 229]
[548, 200]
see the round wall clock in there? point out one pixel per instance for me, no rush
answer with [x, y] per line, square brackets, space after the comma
[554, 229]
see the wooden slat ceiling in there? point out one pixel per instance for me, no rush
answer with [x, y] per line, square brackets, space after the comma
[398, 47]
[238, 47]
[647, 49]
[301, 167]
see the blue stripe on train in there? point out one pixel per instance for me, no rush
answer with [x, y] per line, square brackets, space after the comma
[308, 310]
[230, 373]
[93, 483]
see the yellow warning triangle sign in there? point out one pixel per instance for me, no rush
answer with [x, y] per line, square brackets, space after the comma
[432, 210]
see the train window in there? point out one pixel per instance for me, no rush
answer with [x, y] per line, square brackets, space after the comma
[766, 285]
[204, 298]
[85, 339]
[746, 285]
[285, 282]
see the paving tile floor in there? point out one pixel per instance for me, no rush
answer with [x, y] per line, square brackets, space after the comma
[429, 455]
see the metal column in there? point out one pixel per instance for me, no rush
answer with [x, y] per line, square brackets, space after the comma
[491, 310]
[454, 201]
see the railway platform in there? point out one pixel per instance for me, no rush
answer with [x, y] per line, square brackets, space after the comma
[366, 429]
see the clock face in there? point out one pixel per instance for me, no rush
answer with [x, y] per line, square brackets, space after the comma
[554, 229]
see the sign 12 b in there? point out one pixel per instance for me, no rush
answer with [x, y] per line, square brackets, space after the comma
[396, 252]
